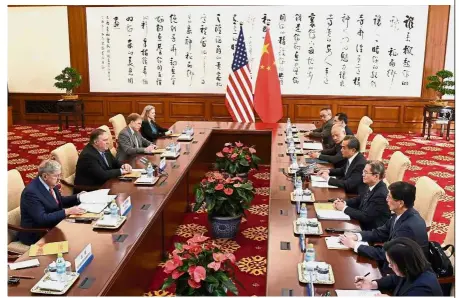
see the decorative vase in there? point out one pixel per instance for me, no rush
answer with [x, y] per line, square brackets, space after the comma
[70, 97]
[225, 227]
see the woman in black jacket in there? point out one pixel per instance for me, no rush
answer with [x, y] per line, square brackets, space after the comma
[150, 130]
[413, 273]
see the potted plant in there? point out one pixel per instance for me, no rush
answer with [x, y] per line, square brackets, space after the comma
[200, 268]
[69, 79]
[237, 159]
[443, 84]
[226, 200]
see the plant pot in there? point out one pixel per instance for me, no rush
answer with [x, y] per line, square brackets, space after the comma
[70, 97]
[225, 227]
[438, 103]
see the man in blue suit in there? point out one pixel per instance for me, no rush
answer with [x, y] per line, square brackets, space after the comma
[42, 206]
[405, 222]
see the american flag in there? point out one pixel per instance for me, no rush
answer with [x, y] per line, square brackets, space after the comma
[239, 95]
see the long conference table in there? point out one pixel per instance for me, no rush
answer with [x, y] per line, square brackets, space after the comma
[125, 259]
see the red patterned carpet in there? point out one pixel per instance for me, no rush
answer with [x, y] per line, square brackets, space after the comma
[28, 145]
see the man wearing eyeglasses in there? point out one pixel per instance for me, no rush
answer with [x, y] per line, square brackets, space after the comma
[42, 206]
[369, 207]
[324, 132]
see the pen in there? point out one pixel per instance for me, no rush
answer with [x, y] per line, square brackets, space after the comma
[363, 277]
[22, 276]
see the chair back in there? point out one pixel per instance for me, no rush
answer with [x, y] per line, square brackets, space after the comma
[111, 144]
[362, 135]
[14, 218]
[396, 168]
[15, 188]
[377, 147]
[67, 156]
[428, 192]
[118, 122]
[366, 120]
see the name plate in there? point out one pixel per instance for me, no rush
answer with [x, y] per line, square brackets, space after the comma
[84, 258]
[125, 206]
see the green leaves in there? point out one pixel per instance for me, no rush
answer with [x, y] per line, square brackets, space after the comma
[167, 283]
[442, 82]
[178, 246]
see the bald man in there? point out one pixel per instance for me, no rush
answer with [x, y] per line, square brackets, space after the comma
[324, 132]
[333, 155]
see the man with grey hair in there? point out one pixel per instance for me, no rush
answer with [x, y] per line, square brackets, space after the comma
[333, 155]
[42, 206]
[369, 207]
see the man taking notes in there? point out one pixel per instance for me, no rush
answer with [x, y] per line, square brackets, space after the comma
[96, 164]
[324, 132]
[130, 141]
[42, 206]
[348, 176]
[370, 207]
[405, 222]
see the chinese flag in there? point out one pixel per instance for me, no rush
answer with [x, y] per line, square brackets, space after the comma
[267, 97]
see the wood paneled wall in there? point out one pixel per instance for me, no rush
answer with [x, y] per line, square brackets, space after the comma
[390, 114]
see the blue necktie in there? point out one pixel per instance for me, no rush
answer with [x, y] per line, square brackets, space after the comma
[105, 158]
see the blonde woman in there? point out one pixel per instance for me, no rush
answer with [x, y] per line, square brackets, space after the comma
[150, 130]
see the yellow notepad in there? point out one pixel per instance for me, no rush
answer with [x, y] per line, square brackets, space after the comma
[48, 248]
[174, 134]
[324, 206]
[133, 174]
[86, 215]
[158, 151]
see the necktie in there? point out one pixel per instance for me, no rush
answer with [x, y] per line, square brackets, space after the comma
[53, 195]
[347, 167]
[105, 158]
[136, 143]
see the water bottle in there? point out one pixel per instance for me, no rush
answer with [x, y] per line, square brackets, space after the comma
[150, 170]
[310, 253]
[289, 124]
[114, 209]
[298, 182]
[303, 211]
[60, 268]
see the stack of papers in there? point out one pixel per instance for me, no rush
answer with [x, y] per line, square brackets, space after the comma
[24, 264]
[317, 181]
[108, 221]
[312, 146]
[51, 285]
[327, 211]
[354, 293]
[333, 243]
[97, 197]
[145, 179]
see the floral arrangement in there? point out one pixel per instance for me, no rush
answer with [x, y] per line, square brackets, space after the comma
[228, 196]
[237, 158]
[200, 268]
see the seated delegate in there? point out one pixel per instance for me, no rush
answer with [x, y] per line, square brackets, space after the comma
[151, 130]
[413, 273]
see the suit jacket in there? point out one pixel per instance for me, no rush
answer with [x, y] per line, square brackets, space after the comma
[410, 225]
[324, 132]
[334, 156]
[40, 210]
[91, 169]
[426, 284]
[348, 131]
[127, 146]
[352, 180]
[370, 207]
[147, 132]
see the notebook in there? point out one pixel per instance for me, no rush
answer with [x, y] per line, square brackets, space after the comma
[333, 243]
[52, 285]
[52, 248]
[312, 146]
[328, 212]
[24, 264]
[107, 221]
[96, 197]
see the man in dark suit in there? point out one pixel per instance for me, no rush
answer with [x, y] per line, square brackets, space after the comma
[405, 222]
[370, 207]
[324, 132]
[130, 141]
[349, 176]
[151, 130]
[333, 155]
[96, 164]
[341, 118]
[42, 206]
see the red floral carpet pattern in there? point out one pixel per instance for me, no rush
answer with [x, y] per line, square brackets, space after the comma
[29, 145]
[249, 246]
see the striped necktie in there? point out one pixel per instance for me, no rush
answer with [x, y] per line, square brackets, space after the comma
[51, 191]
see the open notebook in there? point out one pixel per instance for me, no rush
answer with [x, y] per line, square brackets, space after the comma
[318, 181]
[327, 211]
[334, 243]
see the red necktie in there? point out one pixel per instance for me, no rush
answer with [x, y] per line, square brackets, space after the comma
[52, 193]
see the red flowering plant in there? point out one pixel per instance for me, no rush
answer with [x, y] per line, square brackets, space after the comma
[237, 158]
[225, 197]
[200, 268]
